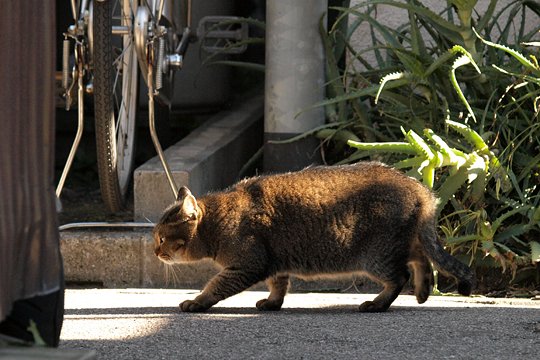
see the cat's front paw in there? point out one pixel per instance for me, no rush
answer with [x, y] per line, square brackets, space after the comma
[268, 305]
[371, 306]
[423, 294]
[192, 306]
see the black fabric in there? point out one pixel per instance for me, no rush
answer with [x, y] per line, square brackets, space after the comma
[47, 311]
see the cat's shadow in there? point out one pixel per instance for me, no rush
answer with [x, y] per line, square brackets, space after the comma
[300, 311]
[218, 310]
[347, 309]
[242, 311]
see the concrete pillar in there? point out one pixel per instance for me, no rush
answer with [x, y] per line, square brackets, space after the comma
[295, 78]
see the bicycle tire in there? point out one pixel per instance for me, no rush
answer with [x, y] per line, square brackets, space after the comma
[115, 87]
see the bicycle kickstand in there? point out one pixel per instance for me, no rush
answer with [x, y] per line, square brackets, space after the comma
[80, 114]
[153, 133]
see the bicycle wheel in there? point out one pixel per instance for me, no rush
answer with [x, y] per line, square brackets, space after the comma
[115, 72]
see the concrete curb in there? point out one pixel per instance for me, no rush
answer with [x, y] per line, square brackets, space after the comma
[124, 259]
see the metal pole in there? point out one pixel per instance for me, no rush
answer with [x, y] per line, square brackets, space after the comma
[294, 81]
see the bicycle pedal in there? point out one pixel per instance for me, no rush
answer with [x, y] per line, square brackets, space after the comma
[223, 34]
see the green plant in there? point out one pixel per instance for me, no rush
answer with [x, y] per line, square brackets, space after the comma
[473, 167]
[444, 76]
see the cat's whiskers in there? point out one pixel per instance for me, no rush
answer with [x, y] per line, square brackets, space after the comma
[171, 277]
[167, 273]
[176, 276]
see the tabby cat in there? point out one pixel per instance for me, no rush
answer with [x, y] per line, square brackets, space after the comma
[365, 218]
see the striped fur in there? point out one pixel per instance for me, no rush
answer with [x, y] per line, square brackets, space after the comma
[365, 218]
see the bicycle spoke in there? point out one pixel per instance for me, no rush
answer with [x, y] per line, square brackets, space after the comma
[115, 6]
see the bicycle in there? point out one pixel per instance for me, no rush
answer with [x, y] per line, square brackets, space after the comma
[113, 42]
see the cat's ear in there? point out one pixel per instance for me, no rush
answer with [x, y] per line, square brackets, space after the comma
[182, 193]
[189, 204]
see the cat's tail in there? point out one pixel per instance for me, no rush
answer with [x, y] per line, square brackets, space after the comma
[446, 263]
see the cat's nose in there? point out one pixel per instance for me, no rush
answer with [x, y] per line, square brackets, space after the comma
[157, 251]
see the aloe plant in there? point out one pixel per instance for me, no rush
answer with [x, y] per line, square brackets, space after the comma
[470, 114]
[428, 156]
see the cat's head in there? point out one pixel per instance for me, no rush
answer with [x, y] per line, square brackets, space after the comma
[175, 231]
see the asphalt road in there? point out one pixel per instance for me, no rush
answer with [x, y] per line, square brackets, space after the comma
[147, 324]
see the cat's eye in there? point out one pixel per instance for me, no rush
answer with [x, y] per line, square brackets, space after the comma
[161, 240]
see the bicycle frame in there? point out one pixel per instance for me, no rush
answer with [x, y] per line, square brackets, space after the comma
[152, 21]
[159, 35]
[157, 23]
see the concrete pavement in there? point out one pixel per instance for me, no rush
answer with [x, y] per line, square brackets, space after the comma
[147, 324]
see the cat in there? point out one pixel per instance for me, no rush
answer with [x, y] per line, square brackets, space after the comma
[366, 218]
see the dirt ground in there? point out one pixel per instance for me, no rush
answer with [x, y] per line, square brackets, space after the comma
[84, 204]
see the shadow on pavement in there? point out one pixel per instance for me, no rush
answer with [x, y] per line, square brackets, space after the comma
[327, 332]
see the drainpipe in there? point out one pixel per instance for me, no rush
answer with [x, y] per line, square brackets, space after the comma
[295, 78]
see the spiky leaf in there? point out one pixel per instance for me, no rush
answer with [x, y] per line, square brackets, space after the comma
[391, 77]
[516, 54]
[461, 61]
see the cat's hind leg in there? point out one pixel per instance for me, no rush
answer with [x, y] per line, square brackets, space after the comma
[393, 281]
[423, 278]
[278, 286]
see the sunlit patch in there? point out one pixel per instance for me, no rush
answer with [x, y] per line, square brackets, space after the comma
[112, 326]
